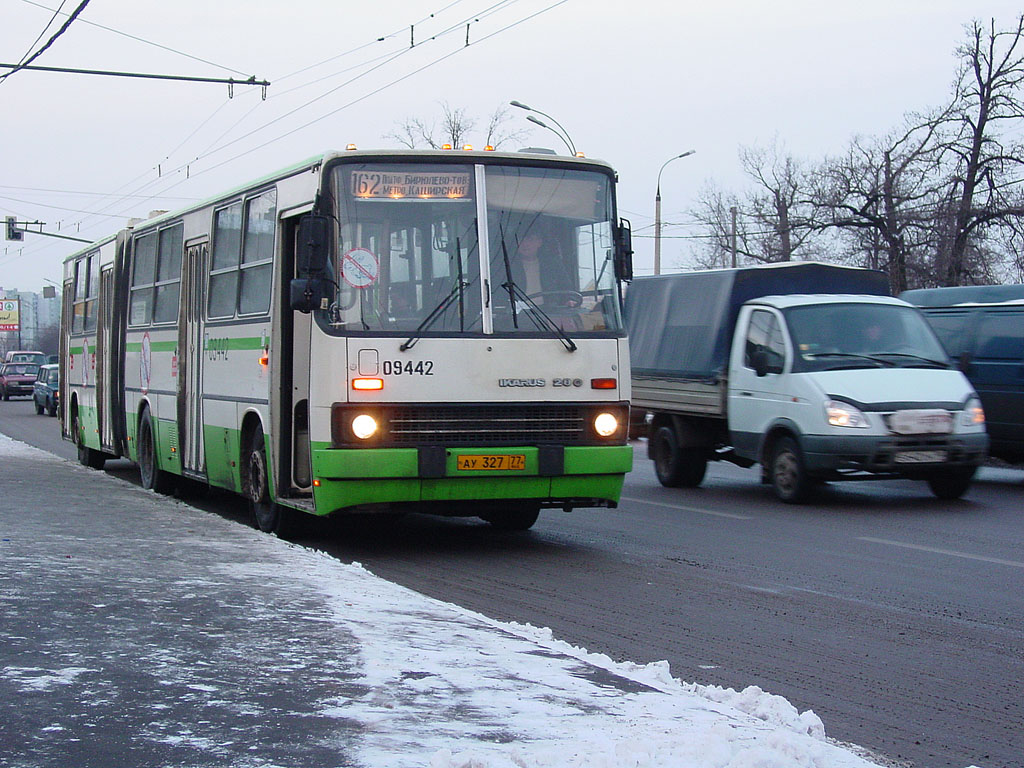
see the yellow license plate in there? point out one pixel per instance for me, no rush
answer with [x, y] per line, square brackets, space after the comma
[485, 462]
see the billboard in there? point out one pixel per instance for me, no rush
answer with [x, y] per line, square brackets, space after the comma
[10, 314]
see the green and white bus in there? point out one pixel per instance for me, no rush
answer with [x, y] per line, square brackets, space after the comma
[365, 332]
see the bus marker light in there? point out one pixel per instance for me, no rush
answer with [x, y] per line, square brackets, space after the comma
[316, 483]
[446, 146]
[467, 147]
[489, 148]
[265, 360]
[603, 383]
[350, 147]
[366, 384]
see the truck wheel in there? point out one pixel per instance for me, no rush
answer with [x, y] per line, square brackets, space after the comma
[676, 467]
[952, 483]
[789, 478]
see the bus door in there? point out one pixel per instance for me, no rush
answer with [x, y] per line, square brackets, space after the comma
[293, 370]
[190, 361]
[105, 377]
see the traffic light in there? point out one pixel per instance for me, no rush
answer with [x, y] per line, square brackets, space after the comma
[13, 233]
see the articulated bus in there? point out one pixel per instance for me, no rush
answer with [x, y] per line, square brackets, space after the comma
[365, 332]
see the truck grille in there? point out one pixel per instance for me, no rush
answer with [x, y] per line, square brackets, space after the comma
[482, 425]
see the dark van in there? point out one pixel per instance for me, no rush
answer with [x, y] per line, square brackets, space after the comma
[982, 329]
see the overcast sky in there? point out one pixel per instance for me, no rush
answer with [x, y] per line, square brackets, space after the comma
[633, 83]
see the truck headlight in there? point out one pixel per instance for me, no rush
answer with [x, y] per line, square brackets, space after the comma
[973, 414]
[840, 414]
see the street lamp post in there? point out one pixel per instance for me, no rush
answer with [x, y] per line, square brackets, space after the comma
[561, 133]
[657, 212]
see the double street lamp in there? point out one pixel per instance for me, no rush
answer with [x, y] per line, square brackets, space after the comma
[657, 212]
[560, 133]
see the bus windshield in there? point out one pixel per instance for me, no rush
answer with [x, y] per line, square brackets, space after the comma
[410, 258]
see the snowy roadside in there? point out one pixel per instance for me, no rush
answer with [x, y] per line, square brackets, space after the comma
[445, 687]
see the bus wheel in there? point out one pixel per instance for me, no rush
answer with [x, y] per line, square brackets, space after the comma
[152, 477]
[513, 518]
[267, 515]
[87, 457]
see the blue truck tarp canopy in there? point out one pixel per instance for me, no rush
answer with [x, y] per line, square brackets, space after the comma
[680, 325]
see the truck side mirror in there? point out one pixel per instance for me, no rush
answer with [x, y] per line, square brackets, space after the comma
[760, 362]
[765, 362]
[624, 251]
[311, 245]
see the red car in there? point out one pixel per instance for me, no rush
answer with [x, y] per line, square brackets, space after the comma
[16, 379]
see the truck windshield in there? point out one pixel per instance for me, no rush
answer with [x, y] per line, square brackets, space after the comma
[861, 335]
[409, 258]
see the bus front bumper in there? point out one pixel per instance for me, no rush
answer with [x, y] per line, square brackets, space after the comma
[573, 476]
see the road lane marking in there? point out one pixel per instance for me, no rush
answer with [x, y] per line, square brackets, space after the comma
[938, 551]
[689, 509]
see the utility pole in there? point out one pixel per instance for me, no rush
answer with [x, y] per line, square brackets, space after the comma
[732, 210]
[657, 211]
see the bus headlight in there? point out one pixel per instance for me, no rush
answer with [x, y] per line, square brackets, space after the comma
[974, 414]
[364, 426]
[606, 424]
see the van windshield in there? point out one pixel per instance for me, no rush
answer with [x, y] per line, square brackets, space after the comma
[860, 335]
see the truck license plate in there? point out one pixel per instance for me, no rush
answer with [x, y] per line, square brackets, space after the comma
[485, 462]
[919, 457]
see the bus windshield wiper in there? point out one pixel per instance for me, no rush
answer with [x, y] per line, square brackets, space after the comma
[439, 310]
[509, 285]
[539, 316]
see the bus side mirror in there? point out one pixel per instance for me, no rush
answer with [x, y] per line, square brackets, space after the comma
[307, 293]
[624, 251]
[311, 245]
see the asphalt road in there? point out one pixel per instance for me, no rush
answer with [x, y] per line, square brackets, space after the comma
[896, 617]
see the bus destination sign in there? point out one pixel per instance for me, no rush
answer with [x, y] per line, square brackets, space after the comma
[381, 185]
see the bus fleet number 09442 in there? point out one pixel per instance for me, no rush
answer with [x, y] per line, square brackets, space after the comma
[408, 368]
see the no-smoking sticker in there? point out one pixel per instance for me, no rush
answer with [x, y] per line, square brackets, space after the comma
[359, 267]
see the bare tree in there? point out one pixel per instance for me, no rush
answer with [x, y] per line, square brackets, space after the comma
[881, 195]
[984, 168]
[714, 213]
[774, 220]
[456, 127]
[779, 206]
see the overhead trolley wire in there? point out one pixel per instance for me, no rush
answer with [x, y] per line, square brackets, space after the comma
[493, 8]
[53, 38]
[139, 39]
